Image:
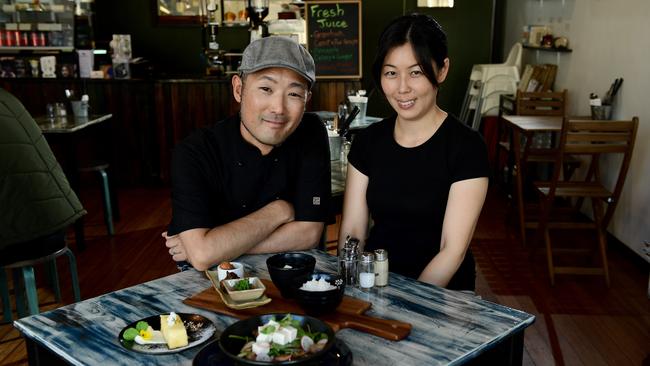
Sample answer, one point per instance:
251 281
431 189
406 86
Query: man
258 182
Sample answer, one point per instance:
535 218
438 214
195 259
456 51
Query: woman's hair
428 40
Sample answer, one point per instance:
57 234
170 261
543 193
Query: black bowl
245 328
321 302
288 279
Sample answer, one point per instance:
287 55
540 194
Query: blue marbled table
449 328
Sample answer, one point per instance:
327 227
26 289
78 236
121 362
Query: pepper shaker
381 267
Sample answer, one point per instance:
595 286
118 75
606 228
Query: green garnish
130 334
268 329
288 320
142 325
242 285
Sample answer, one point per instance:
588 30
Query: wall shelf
557 51
547 49
45 49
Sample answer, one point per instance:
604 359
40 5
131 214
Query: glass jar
345 150
348 266
381 267
50 110
367 271
61 110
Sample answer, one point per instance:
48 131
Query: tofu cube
261 348
291 332
264 337
280 337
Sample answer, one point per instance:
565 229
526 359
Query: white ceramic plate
199 329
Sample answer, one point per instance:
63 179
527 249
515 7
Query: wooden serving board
349 314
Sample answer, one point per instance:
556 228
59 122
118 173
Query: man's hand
176 248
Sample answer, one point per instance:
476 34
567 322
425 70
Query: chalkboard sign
334 38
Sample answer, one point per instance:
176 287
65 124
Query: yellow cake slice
173 330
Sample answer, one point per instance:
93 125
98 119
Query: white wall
609 39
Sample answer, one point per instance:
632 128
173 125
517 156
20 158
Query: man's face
272 104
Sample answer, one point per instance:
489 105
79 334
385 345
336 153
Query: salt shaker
381 267
367 271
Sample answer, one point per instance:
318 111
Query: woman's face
406 87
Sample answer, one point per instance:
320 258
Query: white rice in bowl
317 285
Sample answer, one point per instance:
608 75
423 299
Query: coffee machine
211 52
257 11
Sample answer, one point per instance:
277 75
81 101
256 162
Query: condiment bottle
367 271
348 259
381 267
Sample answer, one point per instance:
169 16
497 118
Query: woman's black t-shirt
408 189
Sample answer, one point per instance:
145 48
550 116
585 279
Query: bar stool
25 282
109 199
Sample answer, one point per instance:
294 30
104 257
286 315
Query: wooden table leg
39 355
508 352
516 147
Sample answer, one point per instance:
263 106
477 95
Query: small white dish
255 291
238 270
228 301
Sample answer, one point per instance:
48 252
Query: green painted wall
177 49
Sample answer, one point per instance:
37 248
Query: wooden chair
526 104
591 140
541 103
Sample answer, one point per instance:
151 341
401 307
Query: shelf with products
36 50
34 7
547 49
234 13
36 25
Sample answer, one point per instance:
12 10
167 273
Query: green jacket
35 197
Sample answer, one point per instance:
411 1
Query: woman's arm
355 207
464 205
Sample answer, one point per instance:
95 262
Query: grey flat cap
278 51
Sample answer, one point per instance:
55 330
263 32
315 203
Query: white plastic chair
487 82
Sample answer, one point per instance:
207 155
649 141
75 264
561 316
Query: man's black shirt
218 177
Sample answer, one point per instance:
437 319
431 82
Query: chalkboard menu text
334 38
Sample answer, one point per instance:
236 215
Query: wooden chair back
541 103
593 139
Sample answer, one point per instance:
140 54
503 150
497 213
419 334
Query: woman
420 174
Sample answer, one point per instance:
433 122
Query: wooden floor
579 321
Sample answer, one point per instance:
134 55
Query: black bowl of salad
285 339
